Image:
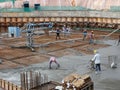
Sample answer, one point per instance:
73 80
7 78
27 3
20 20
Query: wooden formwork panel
90 19
47 19
52 19
109 20
118 21
114 20
25 19
99 20
30 19
8 20
69 19
41 19
94 19
85 19
2 19
80 19
19 19
104 20
63 19
13 19
58 19
36 20
74 20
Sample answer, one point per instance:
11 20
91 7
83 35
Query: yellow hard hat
95 51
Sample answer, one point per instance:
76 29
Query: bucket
112 59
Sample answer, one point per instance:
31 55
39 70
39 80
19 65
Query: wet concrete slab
108 79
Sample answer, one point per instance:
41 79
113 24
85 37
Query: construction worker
64 31
68 31
84 34
53 59
91 37
57 33
97 62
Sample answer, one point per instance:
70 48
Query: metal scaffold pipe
30 29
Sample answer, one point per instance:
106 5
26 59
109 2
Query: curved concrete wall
64 14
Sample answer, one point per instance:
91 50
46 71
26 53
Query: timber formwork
90 19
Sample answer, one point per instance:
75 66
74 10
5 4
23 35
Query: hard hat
95 51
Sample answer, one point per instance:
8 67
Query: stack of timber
77 82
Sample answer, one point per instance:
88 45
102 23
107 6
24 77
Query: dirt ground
14 53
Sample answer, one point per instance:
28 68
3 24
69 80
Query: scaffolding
30 29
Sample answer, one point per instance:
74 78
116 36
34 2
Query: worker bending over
53 59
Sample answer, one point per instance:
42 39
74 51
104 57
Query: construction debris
77 82
70 82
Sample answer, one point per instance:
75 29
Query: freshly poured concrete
108 79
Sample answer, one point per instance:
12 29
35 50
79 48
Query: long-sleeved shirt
96 58
52 59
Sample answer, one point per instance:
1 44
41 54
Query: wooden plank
0 82
3 83
10 86
6 85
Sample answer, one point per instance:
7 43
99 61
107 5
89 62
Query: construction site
28 39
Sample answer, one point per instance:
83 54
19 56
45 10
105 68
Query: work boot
50 68
58 65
